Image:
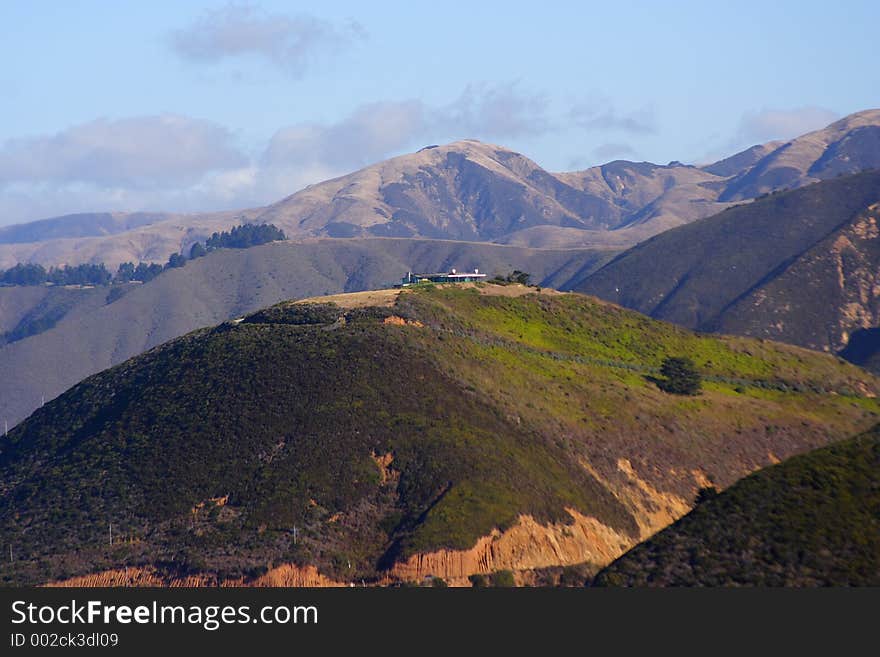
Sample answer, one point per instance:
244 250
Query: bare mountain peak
736 163
848 145
478 191
854 120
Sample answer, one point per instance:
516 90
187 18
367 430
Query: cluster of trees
31 274
86 274
516 276
142 272
498 579
240 237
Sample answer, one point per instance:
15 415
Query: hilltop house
446 277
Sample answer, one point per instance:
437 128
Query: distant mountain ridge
95 224
801 267
468 190
847 146
220 286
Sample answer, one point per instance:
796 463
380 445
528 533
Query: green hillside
351 438
813 520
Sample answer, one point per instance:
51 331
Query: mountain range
801 267
462 433
797 266
468 190
391 435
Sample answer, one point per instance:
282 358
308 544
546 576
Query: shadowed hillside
801 267
813 520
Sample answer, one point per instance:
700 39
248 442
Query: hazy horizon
222 106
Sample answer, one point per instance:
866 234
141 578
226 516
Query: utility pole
10 553
111 534
294 534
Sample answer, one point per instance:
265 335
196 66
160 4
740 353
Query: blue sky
209 105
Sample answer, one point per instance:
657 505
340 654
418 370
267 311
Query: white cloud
494 111
378 130
145 151
769 124
177 163
614 150
369 133
289 42
601 115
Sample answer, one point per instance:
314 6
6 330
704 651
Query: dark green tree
516 276
146 272
176 260
125 272
680 376
84 274
478 581
244 236
705 494
24 274
197 251
502 579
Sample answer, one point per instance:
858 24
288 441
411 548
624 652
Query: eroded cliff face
525 546
530 545
824 296
855 255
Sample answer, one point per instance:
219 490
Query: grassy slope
813 520
489 409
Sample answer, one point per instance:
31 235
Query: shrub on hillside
705 494
502 578
680 376
516 276
478 581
